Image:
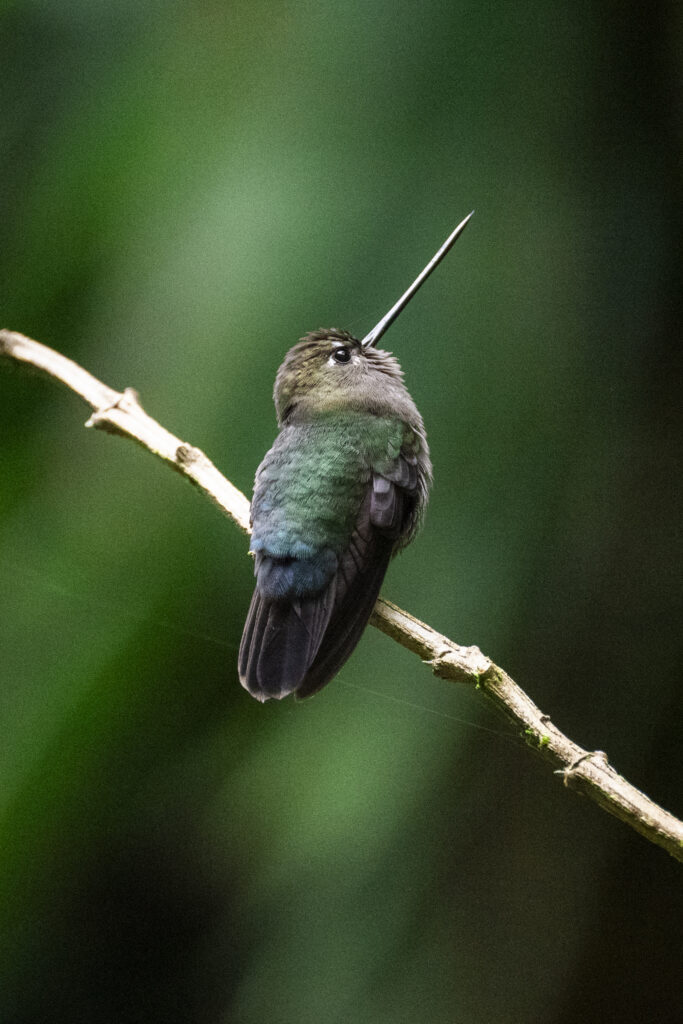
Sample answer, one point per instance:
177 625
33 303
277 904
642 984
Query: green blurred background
186 188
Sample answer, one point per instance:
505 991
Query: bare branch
121 413
588 772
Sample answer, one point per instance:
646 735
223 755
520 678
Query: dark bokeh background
187 187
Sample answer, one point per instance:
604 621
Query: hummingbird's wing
309 608
362 568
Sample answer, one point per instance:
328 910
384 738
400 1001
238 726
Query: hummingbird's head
330 370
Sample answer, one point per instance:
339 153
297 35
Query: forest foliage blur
187 188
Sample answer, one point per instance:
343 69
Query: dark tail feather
280 641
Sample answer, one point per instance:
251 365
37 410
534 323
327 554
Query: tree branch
588 772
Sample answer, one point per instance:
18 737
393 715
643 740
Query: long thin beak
376 333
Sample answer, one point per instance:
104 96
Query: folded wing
307 615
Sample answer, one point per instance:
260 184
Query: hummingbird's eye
341 355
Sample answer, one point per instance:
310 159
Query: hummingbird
343 489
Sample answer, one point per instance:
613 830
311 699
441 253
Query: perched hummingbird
343 488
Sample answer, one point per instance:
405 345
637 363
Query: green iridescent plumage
312 482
